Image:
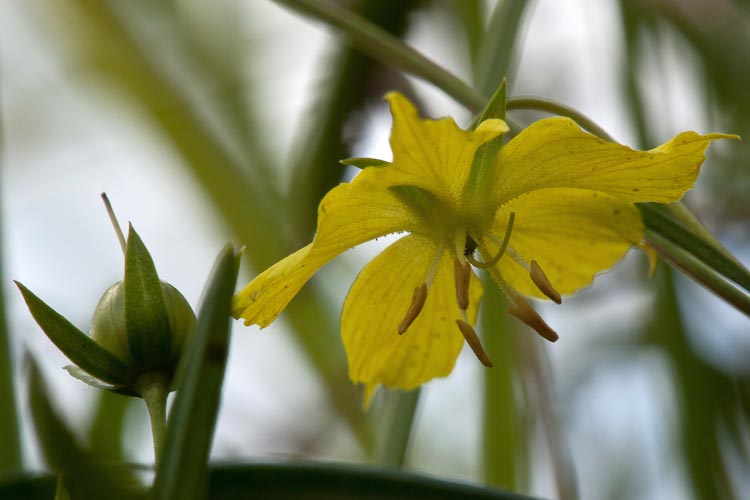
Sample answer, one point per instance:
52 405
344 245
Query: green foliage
221 140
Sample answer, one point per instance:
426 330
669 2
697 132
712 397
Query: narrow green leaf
500 39
182 471
699 271
660 219
364 162
75 344
313 481
146 319
82 473
305 481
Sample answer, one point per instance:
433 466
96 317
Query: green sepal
76 345
94 382
495 107
485 153
146 320
363 163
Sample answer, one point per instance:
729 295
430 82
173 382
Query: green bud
108 327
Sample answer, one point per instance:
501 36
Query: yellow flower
550 210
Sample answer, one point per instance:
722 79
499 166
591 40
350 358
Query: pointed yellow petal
571 233
435 155
555 152
349 214
376 304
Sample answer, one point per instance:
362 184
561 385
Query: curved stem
387 49
556 108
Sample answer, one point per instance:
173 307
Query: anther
503 246
462 273
473 340
542 282
417 302
523 311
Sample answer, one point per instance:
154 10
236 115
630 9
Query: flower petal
435 155
555 152
349 214
571 233
376 304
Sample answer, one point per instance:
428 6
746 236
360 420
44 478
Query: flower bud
108 327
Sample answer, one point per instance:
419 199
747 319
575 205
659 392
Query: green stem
386 48
153 388
398 431
696 269
557 108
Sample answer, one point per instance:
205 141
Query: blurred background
213 121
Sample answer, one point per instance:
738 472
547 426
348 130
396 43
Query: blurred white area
66 141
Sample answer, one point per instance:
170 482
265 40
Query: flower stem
389 50
399 429
153 388
557 108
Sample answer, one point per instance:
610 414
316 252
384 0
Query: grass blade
82 473
182 471
661 220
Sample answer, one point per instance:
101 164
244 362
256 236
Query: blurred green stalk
398 429
11 458
386 48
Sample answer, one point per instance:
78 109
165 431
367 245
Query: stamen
417 302
473 340
503 246
523 311
542 283
462 273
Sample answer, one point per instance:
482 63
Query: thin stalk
386 48
557 108
115 224
698 271
153 388
399 429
